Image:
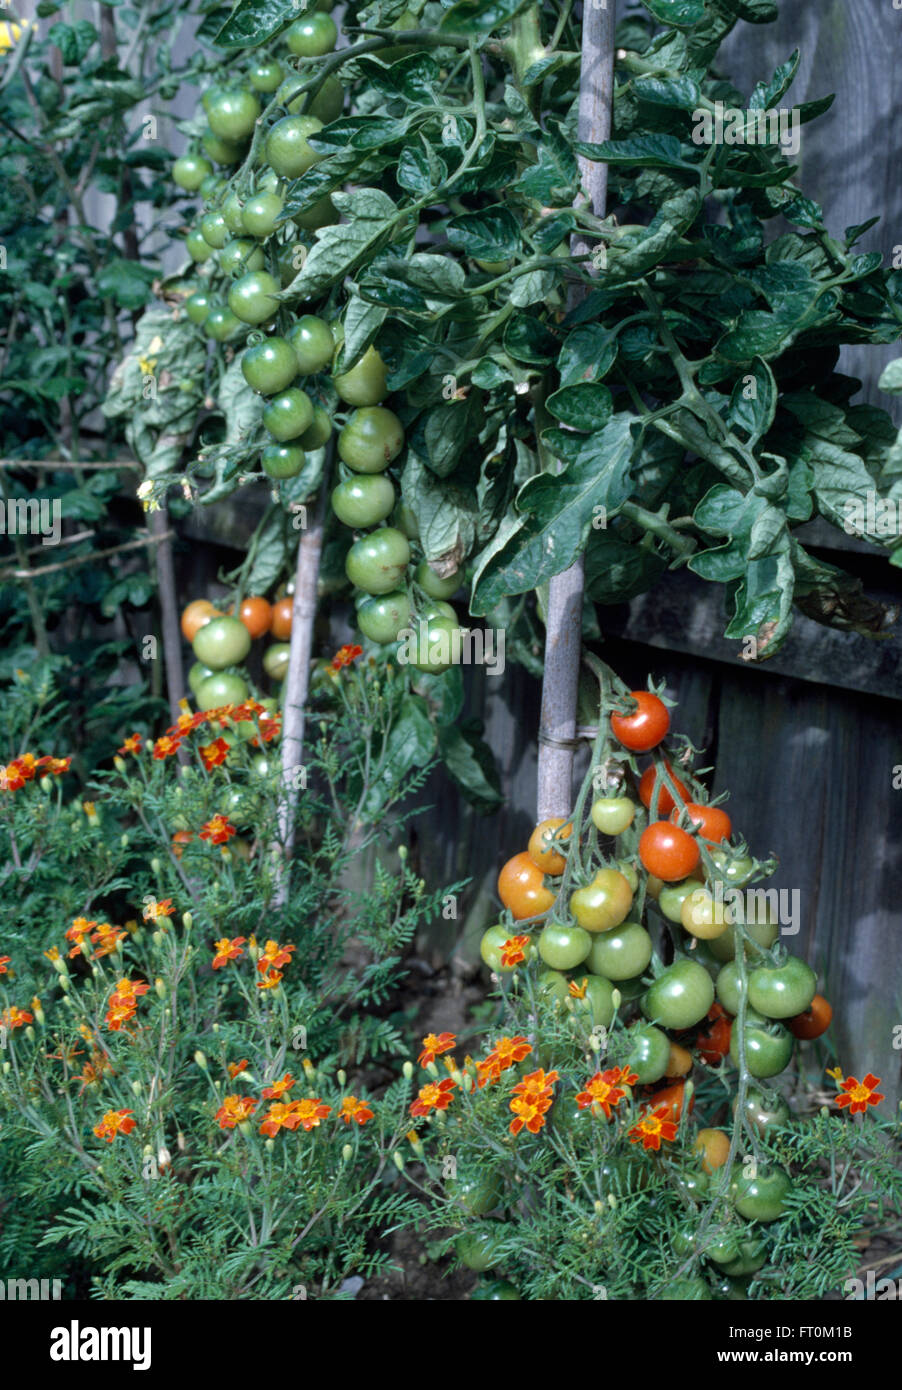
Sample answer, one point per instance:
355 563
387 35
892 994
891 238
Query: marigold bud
398 1160
416 1143
155 866
29 1033
147 1150
245 1129
341 1076
187 921
6 1068
201 1060
123 840
309 1068
137 1088
402 853
347 1152
37 1010
159 985
616 999
119 763
432 1069
407 1069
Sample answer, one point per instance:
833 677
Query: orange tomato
714 1146
256 614
672 1097
280 627
714 1042
521 889
540 849
180 838
679 1062
197 615
813 1022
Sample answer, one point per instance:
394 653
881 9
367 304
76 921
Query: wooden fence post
563 622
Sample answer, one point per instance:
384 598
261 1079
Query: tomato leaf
471 763
252 22
340 249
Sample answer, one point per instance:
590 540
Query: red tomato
644 729
667 851
256 614
280 627
665 800
521 889
713 1042
672 1097
813 1022
713 823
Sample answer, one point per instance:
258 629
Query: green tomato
222 151
251 299
371 440
266 75
673 895
275 660
214 231
437 608
431 645
223 688
752 1255
768 1045
766 1110
312 36
311 339
322 213
221 324
723 1247
406 521
239 256
376 563
685 1291
782 991
562 947
287 150
198 249
270 366
233 214
693 1184
430 582
737 869
365 383
553 986
604 903
289 414
233 115
190 170
382 617
363 501
198 306
212 188
680 996
318 433
760 926
199 672
649 1054
282 460
622 953
477 1193
598 1001
329 101
762 1197
477 1250
729 992
260 215
221 642
611 815
494 1291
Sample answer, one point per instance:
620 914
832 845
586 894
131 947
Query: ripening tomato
256 614
644 729
714 1146
197 613
679 1063
766 1110
673 895
737 869
714 825
672 1097
521 889
611 815
758 926
713 1042
813 1022
604 903
280 625
376 563
667 851
666 802
541 849
703 916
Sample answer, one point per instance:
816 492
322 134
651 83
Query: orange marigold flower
128 992
354 1109
270 980
858 1095
652 1128
278 1088
513 951
53 765
578 990
506 1053
282 1116
217 830
115 1122
234 1109
117 1015
436 1096
4 961
274 956
27 765
106 938
537 1083
154 911
212 754
270 728
94 1070
236 1068
248 709
311 1112
133 744
529 1112
605 1090
434 1046
79 929
344 656
166 746
12 777
13 1018
227 950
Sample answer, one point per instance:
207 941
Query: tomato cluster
248 249
609 918
221 641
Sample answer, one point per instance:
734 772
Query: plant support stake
563 622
